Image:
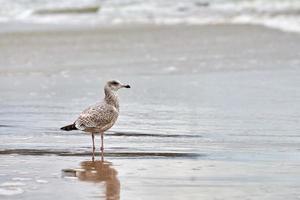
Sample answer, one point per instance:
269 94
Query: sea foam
10 191
283 15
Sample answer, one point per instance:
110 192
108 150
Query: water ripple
40 152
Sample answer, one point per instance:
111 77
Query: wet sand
213 113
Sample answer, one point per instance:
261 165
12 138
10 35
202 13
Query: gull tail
69 127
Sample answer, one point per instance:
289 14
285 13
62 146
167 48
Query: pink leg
93 138
102 147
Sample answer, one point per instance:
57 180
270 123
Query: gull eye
114 83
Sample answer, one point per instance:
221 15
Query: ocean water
278 14
211 114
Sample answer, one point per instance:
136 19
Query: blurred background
279 14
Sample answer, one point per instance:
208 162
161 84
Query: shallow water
201 121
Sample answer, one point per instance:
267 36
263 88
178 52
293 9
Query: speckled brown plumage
101 116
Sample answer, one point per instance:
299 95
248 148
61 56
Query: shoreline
11 28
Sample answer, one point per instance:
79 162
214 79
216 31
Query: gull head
115 85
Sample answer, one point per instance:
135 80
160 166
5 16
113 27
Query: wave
283 15
78 10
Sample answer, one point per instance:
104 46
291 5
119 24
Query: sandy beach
213 113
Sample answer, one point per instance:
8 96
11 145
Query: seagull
100 117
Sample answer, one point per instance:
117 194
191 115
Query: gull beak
126 86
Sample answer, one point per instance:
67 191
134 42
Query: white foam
283 15
65 74
170 69
41 181
9 184
281 22
23 172
21 179
10 191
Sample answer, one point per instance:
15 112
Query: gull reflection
98 172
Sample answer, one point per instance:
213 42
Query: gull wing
97 116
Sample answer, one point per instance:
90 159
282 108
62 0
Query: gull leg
93 138
102 147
